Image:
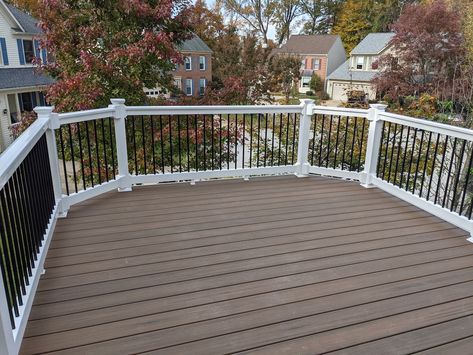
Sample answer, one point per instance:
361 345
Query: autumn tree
110 48
320 15
30 6
285 71
286 13
258 15
426 54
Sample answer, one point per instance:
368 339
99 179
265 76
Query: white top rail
340 111
88 115
211 110
14 155
431 126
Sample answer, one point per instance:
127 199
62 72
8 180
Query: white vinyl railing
87 153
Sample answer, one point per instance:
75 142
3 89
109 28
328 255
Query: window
28 51
202 83
13 108
305 81
316 64
189 87
359 63
4 56
27 101
202 62
177 83
188 63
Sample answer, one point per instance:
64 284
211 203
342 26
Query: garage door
339 92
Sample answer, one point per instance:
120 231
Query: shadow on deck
273 265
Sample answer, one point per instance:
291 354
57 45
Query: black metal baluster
287 137
361 144
196 132
281 123
418 161
153 143
170 144
398 154
179 147
204 142
228 141
143 139
188 144
97 150
81 156
265 139
63 156
336 142
392 152
220 140
258 137
236 140
313 140
429 142
345 143
433 166
352 143
441 168
294 139
404 155
446 193
251 140
91 167
378 165
162 143
411 159
112 147
467 179
212 142
104 150
455 186
243 143
388 138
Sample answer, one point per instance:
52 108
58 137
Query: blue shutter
3 44
21 52
42 101
44 56
37 52
33 99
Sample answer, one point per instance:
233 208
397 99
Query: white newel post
302 164
373 144
124 176
46 113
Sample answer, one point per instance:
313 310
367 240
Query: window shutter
44 56
37 52
3 44
33 99
21 52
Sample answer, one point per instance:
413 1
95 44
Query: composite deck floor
270 266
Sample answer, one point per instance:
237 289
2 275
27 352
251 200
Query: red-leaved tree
110 48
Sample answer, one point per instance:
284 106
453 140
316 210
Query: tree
285 71
316 83
30 6
321 15
257 14
354 22
426 55
286 12
110 48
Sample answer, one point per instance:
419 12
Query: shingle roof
11 78
195 44
308 44
373 43
343 73
28 23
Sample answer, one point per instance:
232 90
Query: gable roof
308 44
373 43
194 44
343 73
28 23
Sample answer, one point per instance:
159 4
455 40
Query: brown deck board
273 265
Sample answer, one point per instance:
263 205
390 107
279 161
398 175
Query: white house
20 86
357 72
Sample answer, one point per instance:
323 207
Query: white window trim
191 87
205 62
205 85
190 63
357 62
319 63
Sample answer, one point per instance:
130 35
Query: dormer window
359 63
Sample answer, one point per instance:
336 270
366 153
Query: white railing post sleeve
124 176
46 113
373 144
302 164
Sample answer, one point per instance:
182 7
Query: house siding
195 73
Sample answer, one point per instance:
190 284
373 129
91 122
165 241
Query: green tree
316 83
320 15
286 12
285 72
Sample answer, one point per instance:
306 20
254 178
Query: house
320 54
195 73
21 88
357 72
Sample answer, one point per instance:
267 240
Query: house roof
11 78
308 44
195 44
373 43
28 23
343 73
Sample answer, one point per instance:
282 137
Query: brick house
193 76
320 54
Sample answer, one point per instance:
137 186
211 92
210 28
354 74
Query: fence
63 159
